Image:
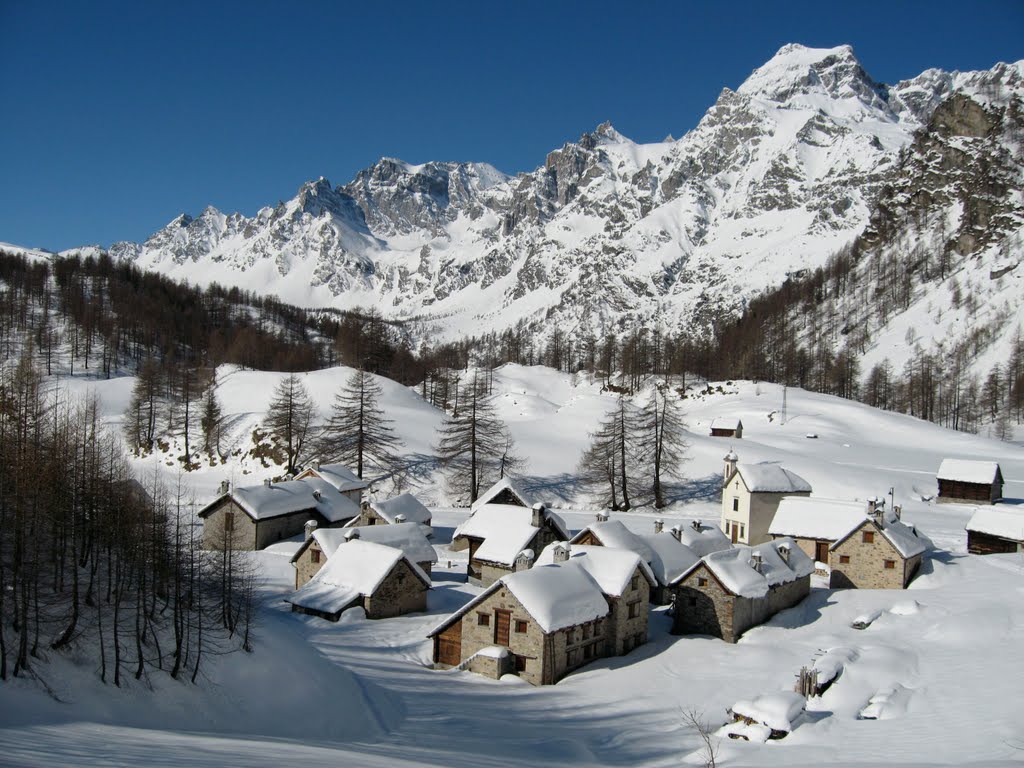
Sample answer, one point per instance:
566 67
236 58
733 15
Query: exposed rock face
779 174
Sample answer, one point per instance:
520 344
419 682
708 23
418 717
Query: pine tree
611 456
211 418
474 447
357 431
290 418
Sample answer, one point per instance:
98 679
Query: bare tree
709 751
357 430
290 417
661 440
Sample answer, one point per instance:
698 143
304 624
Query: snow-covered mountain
607 233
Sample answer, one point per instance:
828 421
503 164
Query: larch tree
661 439
474 446
290 417
357 432
211 418
611 457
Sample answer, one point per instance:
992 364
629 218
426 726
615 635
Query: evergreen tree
290 417
474 447
357 431
211 418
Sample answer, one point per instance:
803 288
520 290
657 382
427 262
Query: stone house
728 592
380 579
497 534
880 552
750 497
344 480
996 529
662 550
253 517
969 482
726 426
816 523
701 538
321 544
544 622
503 492
405 508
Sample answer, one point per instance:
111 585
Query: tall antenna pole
783 420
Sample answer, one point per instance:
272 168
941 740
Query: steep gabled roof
726 422
263 502
1002 521
771 478
965 471
612 533
703 539
812 517
904 539
355 571
505 484
610 567
506 530
338 475
671 556
735 568
407 537
406 505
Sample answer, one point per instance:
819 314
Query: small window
868 537
314 555
229 521
522 626
635 583
735 504
483 619
890 564
844 559
520 662
701 581
634 610
743 531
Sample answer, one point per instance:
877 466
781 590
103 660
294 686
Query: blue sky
117 116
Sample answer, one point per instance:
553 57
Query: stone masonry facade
247 533
870 564
401 592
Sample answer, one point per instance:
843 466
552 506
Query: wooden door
735 532
448 645
502 621
821 551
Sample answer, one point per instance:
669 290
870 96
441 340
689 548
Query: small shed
726 426
380 579
963 481
996 529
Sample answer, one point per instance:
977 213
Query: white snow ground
940 665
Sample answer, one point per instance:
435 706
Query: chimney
562 552
783 550
315 465
225 486
897 511
602 516
756 561
730 465
266 482
696 524
400 518
659 526
310 527
524 561
875 512
352 533
677 533
537 520
316 494
364 506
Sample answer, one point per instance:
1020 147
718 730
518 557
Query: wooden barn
969 482
725 426
994 530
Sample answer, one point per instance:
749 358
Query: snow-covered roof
776 710
338 475
263 501
1002 521
771 478
965 471
904 539
557 596
726 422
735 568
505 484
407 505
811 517
407 537
610 567
671 557
506 530
346 578
703 539
612 533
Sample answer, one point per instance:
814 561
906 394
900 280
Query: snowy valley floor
361 693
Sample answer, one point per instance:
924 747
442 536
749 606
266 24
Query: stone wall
703 610
625 633
490 573
284 527
243 535
530 644
750 612
866 568
401 592
305 568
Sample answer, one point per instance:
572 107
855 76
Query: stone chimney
677 533
537 520
897 511
756 561
730 465
524 561
659 526
364 506
783 550
266 482
225 486
562 552
316 494
696 525
400 518
602 516
310 527
315 465
875 511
